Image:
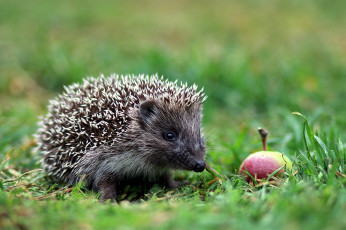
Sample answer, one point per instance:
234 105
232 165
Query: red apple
262 164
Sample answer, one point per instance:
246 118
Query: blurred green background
257 60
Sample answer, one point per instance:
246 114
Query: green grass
258 61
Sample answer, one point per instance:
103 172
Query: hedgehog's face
173 135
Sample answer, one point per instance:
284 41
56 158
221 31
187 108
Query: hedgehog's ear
147 111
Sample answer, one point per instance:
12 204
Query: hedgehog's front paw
176 184
107 196
108 191
170 183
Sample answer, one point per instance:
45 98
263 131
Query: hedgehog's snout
197 162
199 166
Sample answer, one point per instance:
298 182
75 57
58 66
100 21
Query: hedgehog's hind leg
108 190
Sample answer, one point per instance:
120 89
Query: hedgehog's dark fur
115 129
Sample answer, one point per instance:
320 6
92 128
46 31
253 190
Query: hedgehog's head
171 132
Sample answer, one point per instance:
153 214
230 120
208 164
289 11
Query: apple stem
264 135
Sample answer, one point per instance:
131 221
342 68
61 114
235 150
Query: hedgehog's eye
170 136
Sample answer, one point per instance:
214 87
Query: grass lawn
258 61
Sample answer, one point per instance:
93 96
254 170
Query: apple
261 164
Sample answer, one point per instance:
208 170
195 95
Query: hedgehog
112 130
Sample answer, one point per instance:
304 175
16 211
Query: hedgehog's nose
199 166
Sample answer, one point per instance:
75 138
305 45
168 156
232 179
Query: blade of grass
254 180
274 173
